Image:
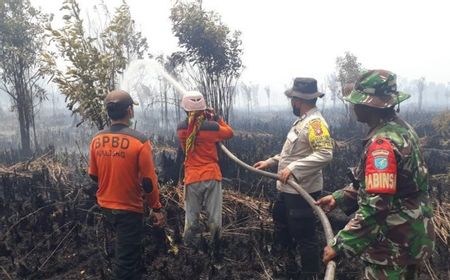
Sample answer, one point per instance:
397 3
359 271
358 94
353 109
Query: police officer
391 230
308 149
121 161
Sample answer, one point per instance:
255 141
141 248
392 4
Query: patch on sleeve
319 136
381 168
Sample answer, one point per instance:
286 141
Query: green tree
211 53
348 70
93 62
122 42
21 43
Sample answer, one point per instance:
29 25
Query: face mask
131 115
296 111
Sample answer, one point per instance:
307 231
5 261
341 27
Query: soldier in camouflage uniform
391 231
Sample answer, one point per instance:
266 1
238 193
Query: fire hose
331 266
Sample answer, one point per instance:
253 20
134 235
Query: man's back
202 163
121 157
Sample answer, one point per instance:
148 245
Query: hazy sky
283 39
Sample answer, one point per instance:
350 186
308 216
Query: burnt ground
51 228
62 235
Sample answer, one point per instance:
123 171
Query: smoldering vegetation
51 227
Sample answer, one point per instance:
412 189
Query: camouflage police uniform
391 231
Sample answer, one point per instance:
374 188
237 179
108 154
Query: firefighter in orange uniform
121 161
198 136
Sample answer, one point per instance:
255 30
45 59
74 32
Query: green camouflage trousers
382 272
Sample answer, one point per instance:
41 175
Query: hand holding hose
261 165
328 254
327 203
211 115
284 175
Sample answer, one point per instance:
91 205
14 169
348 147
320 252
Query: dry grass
241 213
441 221
57 172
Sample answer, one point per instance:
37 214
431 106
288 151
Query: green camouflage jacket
392 224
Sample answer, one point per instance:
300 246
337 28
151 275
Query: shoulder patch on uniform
316 126
381 167
318 135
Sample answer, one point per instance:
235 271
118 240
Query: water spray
329 235
181 90
149 66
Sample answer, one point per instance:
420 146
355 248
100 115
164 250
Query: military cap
376 88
